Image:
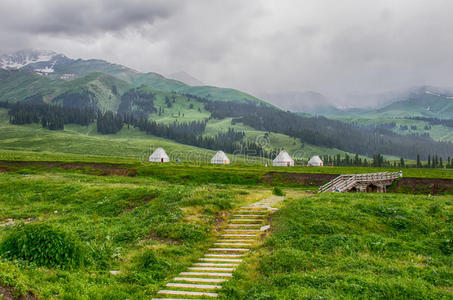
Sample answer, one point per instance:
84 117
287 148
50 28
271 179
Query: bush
278 191
446 247
183 232
148 261
43 245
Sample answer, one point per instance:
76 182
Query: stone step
186 293
246 220
224 255
221 259
233 240
238 235
262 213
211 269
233 244
241 230
255 208
207 274
194 286
229 249
174 299
244 225
265 227
215 265
260 216
194 279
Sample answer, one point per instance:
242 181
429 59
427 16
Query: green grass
295 147
437 132
180 110
101 85
17 85
353 246
145 228
131 143
159 82
152 226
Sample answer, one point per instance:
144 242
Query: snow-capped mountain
40 61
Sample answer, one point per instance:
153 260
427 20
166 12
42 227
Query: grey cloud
84 17
338 48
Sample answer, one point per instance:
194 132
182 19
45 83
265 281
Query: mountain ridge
58 66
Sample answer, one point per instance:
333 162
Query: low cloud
339 48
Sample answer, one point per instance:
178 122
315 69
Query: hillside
202 116
355 246
424 111
130 143
58 66
124 230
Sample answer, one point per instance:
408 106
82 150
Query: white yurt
283 160
220 158
315 161
159 155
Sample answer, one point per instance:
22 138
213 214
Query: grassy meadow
70 231
353 246
144 228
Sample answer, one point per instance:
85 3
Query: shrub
278 191
100 254
446 247
149 261
43 245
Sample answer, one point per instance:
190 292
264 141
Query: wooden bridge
371 182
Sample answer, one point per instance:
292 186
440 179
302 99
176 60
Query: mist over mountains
422 101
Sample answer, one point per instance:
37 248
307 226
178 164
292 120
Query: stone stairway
205 277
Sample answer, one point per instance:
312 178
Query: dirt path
270 202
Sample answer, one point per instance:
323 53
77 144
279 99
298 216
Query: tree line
55 117
52 117
329 133
435 121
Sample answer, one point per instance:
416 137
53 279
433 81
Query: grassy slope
437 132
102 85
159 82
127 145
84 67
274 141
145 228
353 246
18 85
75 139
180 110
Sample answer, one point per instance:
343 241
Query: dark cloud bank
338 48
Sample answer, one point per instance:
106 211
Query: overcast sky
336 47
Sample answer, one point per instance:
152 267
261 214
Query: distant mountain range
425 101
43 77
29 72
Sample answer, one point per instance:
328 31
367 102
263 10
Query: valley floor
136 233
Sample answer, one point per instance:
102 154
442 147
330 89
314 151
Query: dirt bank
7 293
433 186
88 168
409 185
303 179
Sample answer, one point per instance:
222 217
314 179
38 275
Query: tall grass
354 246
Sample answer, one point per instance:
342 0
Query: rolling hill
58 66
111 96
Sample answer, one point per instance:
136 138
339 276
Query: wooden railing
346 182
